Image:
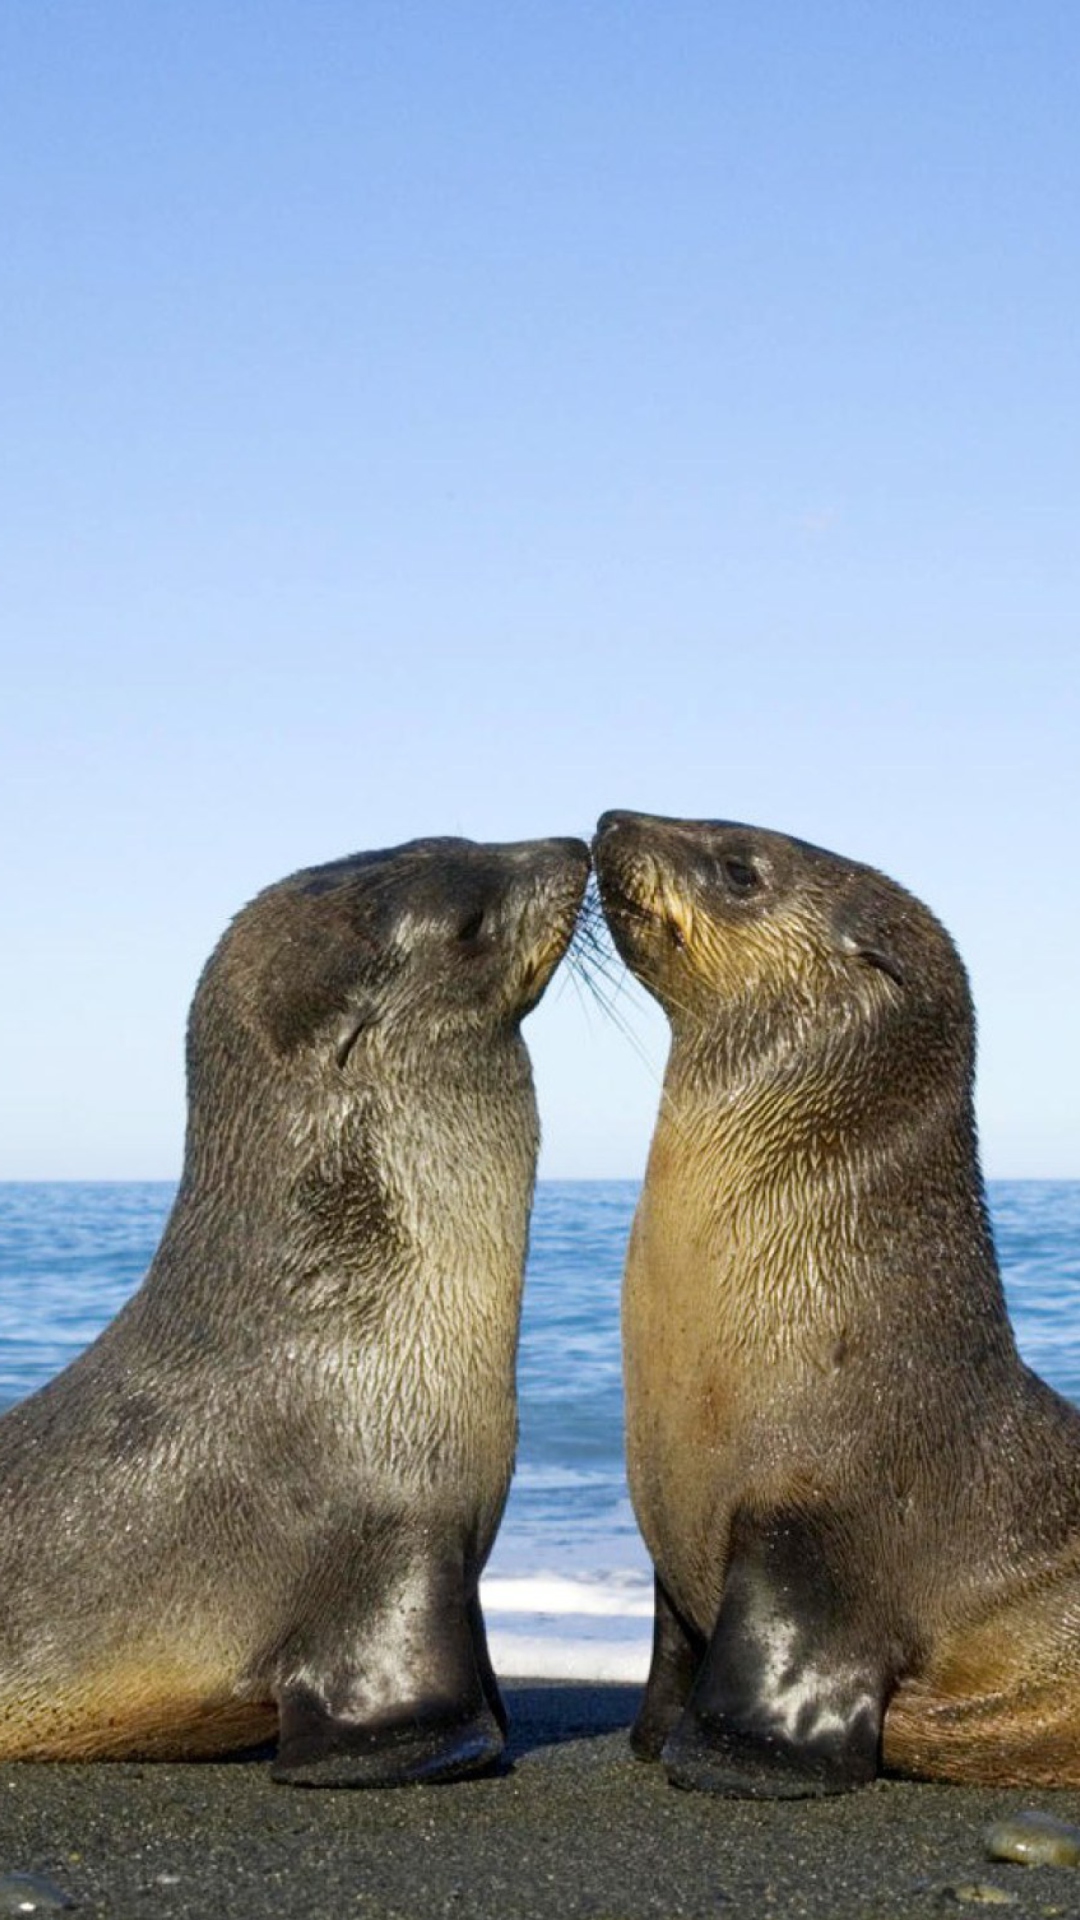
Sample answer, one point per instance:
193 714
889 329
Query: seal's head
267 1491
863 1509
466 936
780 963
404 969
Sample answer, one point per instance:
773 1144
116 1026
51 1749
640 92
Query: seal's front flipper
484 1667
401 1701
677 1654
791 1696
333 1747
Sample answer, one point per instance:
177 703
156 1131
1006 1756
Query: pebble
32 1893
1035 1839
980 1893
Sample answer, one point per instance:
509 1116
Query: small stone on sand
32 1893
1035 1839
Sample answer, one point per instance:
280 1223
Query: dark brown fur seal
863 1509
263 1498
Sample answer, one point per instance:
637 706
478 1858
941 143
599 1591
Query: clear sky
460 418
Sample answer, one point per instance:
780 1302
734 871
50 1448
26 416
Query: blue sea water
568 1587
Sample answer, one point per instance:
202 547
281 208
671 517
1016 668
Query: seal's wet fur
863 1509
263 1498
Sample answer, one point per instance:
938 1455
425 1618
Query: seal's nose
611 822
565 855
571 849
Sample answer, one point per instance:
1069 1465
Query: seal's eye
471 928
741 875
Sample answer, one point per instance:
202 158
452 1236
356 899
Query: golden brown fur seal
263 1498
863 1509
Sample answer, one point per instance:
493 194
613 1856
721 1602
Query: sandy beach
575 1827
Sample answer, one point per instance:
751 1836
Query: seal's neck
797 1225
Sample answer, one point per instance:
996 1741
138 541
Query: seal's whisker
598 970
597 963
576 978
602 965
580 972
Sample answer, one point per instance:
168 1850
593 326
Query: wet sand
575 1828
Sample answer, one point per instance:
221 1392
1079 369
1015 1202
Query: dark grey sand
576 1827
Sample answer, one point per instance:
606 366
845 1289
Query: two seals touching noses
863 1509
263 1498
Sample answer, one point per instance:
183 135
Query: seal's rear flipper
791 1696
677 1653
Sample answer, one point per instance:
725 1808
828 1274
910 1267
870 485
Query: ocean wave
555 1626
524 1656
621 1595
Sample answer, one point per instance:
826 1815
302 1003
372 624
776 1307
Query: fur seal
263 1498
862 1508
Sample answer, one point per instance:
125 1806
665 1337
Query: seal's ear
352 1024
865 938
322 987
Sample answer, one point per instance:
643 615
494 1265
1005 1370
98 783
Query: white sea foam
536 1657
557 1626
624 1595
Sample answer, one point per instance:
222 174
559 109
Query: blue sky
462 418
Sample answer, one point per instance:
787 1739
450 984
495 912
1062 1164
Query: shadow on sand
547 1714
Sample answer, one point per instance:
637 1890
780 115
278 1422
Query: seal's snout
650 831
610 821
618 820
557 855
559 868
570 852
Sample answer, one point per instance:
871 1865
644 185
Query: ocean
568 1590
